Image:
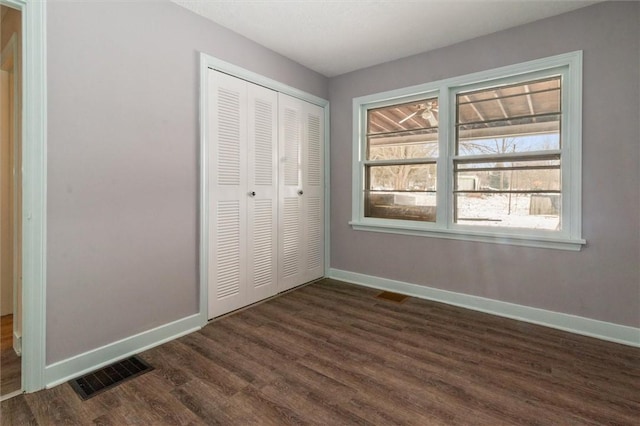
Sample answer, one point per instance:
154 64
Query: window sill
557 243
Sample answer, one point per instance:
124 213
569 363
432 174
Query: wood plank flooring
10 363
333 354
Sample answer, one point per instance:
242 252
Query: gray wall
123 164
600 282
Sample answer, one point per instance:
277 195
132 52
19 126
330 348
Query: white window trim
569 238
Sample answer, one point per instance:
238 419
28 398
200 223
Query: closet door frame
209 62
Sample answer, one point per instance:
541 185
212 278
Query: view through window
507 164
402 150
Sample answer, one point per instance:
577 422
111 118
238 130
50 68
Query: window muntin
515 131
523 99
402 146
414 115
400 162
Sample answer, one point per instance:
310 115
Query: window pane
517 88
420 114
509 145
510 136
501 103
542 161
418 144
401 192
405 177
516 118
509 191
419 206
509 176
530 211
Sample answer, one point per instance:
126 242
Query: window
507 159
400 164
493 156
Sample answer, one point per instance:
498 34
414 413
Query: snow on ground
496 207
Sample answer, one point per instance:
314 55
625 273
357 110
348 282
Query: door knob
300 192
252 193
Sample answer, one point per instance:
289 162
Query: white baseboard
10 395
65 370
579 325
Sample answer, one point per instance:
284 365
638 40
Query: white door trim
206 62
34 190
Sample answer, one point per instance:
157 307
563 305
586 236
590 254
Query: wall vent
108 377
393 297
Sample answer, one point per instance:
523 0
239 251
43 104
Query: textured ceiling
334 37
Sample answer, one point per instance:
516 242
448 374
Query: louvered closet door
313 196
290 201
227 193
262 209
243 193
301 244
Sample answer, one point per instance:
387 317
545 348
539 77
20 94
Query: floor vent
108 377
393 297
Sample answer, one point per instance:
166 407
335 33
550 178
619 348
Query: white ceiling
334 37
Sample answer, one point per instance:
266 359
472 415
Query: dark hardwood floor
332 354
10 362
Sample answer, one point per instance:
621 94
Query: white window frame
569 66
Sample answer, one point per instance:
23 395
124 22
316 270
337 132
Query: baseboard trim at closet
259 302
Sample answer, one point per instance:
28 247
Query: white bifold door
265 192
301 186
243 187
